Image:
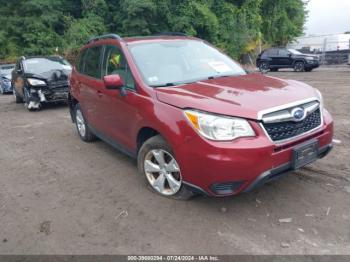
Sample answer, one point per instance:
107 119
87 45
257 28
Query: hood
51 76
241 96
307 55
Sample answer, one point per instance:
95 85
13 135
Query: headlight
220 128
309 58
36 82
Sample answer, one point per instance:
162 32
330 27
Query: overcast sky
328 17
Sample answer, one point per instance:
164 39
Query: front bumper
229 168
39 95
276 173
312 64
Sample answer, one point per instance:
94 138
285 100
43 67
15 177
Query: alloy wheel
163 172
299 67
80 123
264 67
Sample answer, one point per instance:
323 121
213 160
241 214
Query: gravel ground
61 196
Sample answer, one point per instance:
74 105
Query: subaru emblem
298 114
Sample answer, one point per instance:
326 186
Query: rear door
273 55
91 85
284 58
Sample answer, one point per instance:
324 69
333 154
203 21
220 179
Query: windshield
169 63
42 65
295 52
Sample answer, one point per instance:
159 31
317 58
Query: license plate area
305 154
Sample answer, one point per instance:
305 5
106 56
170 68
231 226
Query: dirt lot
61 196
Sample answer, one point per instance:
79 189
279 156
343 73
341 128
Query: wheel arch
299 60
144 134
72 102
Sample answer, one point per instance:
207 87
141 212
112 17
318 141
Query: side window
265 54
115 63
283 53
273 52
92 62
19 66
80 60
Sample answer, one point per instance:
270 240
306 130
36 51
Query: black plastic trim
195 189
282 170
108 36
113 143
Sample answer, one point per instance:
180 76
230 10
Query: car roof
171 36
145 39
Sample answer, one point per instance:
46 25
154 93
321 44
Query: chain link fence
330 52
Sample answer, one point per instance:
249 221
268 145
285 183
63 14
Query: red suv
193 118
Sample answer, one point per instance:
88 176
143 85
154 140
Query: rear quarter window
79 64
91 62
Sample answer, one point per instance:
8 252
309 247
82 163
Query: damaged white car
39 80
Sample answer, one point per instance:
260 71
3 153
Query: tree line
41 27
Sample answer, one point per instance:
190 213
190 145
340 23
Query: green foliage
283 20
37 27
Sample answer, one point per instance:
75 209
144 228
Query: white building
323 43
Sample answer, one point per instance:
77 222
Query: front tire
30 106
299 67
162 174
82 127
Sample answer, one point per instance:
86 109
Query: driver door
119 111
284 57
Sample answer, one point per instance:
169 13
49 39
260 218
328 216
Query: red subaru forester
193 118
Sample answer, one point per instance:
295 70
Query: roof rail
170 34
108 36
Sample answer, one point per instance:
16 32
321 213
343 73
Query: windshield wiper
164 85
215 77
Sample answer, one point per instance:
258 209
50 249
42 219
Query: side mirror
113 82
19 71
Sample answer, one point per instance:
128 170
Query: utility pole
324 51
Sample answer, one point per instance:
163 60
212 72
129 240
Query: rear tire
264 67
163 175
299 67
82 127
1 90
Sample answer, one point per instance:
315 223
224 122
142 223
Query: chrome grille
281 125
